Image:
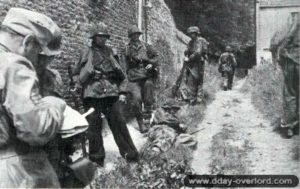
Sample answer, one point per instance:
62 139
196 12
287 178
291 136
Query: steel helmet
228 48
193 29
134 29
100 29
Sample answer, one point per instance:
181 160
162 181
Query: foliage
265 84
222 22
164 170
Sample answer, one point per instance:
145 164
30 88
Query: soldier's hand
122 98
186 59
149 66
74 89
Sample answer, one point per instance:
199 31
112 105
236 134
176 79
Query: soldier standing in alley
28 121
142 69
285 51
193 68
100 75
227 65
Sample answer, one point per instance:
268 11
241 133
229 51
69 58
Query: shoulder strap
1 97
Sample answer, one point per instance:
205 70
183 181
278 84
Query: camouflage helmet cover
100 29
134 29
193 29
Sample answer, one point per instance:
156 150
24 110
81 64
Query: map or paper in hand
74 123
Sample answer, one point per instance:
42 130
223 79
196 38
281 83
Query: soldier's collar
98 47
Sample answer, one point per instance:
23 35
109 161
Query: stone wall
170 42
75 17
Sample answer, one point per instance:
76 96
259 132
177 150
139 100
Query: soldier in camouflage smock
100 75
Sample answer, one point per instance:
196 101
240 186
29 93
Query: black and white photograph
149 94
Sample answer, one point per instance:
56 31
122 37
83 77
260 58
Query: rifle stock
180 77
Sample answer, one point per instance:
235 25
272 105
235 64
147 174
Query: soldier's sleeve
36 119
118 70
197 52
78 66
152 55
55 84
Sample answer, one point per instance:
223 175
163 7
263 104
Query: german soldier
100 75
285 51
195 57
28 121
142 68
227 65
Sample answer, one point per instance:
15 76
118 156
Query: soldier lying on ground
166 129
167 115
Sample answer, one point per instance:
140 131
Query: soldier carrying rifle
193 67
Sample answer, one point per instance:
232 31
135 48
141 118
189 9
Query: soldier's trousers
291 114
228 79
195 86
143 91
112 109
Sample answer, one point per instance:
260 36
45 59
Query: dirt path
236 139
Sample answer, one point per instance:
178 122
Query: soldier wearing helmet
195 58
100 75
142 69
227 65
